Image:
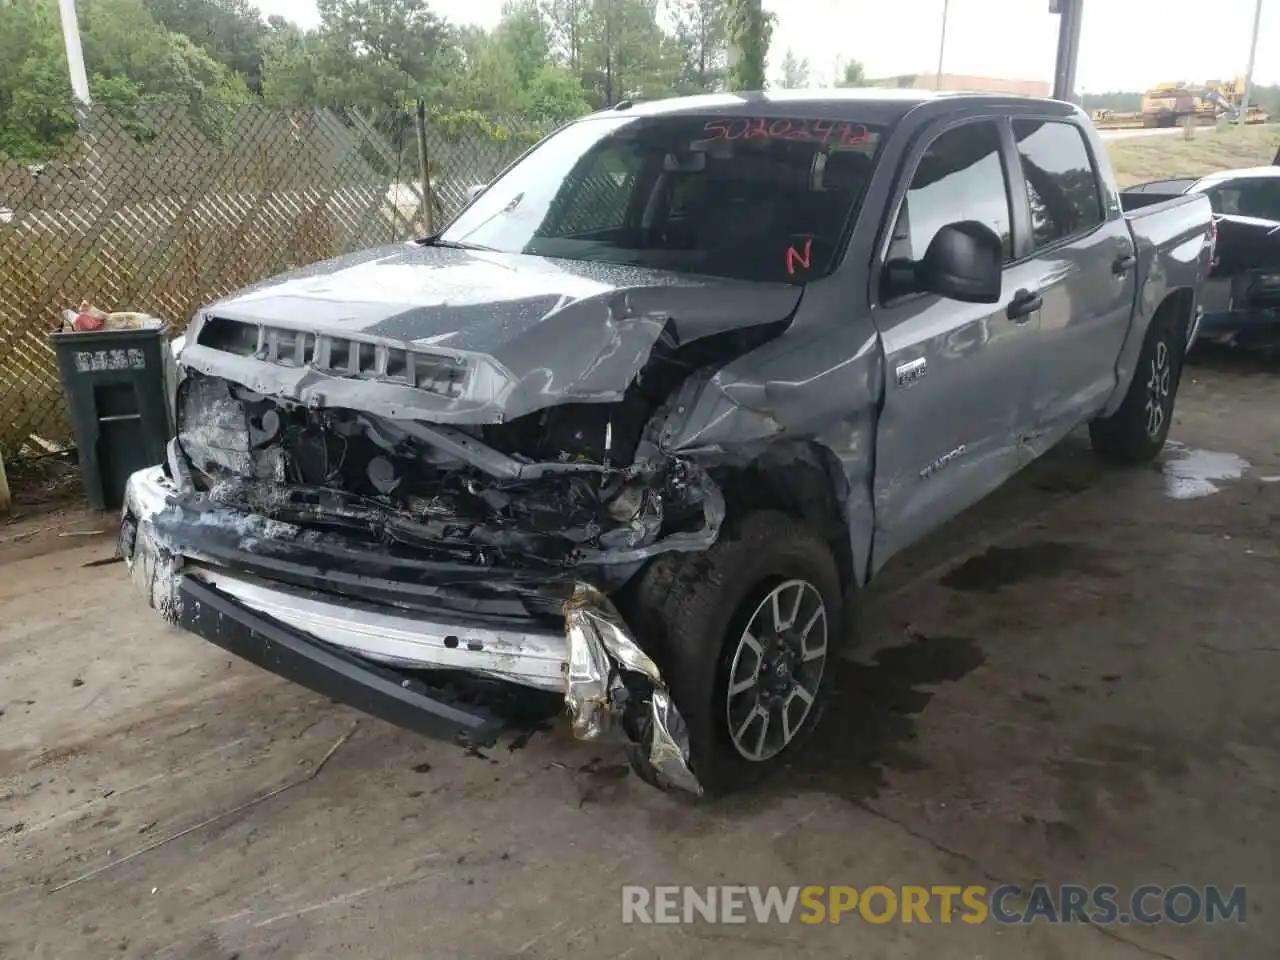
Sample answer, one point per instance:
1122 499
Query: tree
795 72
750 31
34 90
129 57
701 37
568 28
852 75
523 39
124 42
230 31
290 68
625 54
508 71
382 52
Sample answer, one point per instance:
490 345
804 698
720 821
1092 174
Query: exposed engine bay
558 487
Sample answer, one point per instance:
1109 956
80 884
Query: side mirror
964 262
474 191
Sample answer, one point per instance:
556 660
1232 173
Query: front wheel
1136 432
743 634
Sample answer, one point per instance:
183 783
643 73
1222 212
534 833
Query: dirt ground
1075 683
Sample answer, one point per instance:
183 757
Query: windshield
749 198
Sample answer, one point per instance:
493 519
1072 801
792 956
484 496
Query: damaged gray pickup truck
629 430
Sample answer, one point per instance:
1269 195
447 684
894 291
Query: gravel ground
1073 683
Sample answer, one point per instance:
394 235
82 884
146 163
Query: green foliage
795 72
750 31
546 60
702 44
625 54
1119 101
853 75
230 31
130 58
1268 98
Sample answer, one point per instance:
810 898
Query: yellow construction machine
1171 104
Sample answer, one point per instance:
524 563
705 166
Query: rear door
957 374
1247 211
1082 256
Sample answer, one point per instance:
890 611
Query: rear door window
1062 185
1259 198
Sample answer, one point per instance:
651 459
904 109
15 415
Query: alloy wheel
1158 388
777 669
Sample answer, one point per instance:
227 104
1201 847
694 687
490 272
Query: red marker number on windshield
795 257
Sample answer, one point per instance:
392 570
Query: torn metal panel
154 568
713 514
602 653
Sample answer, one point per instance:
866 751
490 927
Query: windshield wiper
436 241
501 211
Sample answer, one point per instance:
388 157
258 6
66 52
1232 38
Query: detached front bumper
358 652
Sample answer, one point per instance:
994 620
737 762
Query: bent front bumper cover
354 651
328 670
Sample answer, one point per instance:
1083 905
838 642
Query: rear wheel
1136 432
743 634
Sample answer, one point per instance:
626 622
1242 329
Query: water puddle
1189 474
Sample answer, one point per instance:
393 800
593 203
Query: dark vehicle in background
1241 299
630 429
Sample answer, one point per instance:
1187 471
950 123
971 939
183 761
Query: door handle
1023 305
1123 264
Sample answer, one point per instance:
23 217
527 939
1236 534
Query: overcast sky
1127 44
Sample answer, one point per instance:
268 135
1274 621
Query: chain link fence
164 207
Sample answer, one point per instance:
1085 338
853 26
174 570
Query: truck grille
339 356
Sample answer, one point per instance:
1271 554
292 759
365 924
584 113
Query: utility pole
942 44
75 54
608 54
1253 56
1064 73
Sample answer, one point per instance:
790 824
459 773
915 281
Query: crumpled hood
553 330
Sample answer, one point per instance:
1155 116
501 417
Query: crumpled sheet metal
600 648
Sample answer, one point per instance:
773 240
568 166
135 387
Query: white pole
942 44
75 54
1253 55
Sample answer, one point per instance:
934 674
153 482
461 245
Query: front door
957 374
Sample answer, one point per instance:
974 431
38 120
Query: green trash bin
115 386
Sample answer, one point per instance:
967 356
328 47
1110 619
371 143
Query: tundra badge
909 373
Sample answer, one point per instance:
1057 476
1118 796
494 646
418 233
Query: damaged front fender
613 684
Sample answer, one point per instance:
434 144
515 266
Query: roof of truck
877 104
1249 172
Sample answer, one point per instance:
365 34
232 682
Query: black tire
690 611
1136 432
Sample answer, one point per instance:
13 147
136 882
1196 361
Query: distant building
957 81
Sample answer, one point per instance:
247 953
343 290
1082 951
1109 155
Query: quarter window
1062 186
